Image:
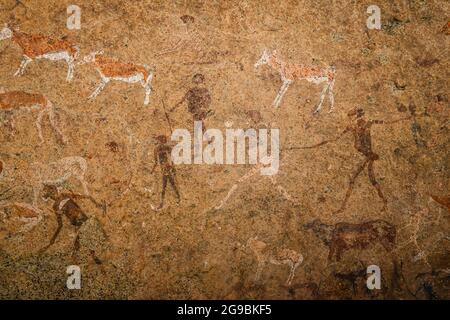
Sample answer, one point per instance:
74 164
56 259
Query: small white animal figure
28 215
37 46
113 69
14 100
56 173
290 72
275 256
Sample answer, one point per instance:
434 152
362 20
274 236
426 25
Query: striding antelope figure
113 69
290 72
14 100
276 256
37 46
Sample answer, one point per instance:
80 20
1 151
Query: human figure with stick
162 157
198 99
361 130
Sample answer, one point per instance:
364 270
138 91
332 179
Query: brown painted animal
113 69
14 100
37 46
345 236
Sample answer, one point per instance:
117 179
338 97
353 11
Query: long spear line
167 116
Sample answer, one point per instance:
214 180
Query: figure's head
264 59
187 19
198 78
356 112
316 225
6 33
49 192
162 139
91 56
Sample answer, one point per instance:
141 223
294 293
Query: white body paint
54 56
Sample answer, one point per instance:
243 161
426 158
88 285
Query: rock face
91 182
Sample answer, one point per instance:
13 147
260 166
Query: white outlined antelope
113 69
14 100
37 46
58 172
276 256
27 214
290 72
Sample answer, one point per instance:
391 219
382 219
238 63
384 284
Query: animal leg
322 96
281 92
148 91
375 184
36 191
25 61
350 186
71 68
84 185
39 125
331 95
259 269
52 118
100 87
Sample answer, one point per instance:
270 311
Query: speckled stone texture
390 124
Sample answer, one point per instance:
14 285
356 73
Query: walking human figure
361 130
65 204
162 157
198 99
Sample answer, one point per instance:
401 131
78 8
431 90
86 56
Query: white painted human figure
289 72
37 46
113 69
252 172
16 100
58 172
276 256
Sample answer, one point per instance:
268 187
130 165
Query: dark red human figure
198 99
361 130
162 157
